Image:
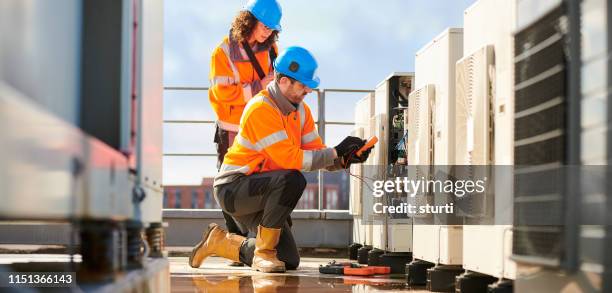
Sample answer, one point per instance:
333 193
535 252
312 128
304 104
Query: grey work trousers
265 199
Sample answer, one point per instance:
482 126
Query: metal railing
321 124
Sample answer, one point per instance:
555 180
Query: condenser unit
379 170
487 72
363 112
391 98
540 142
435 65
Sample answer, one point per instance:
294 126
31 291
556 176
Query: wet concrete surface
216 276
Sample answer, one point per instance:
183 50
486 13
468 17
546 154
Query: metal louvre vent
420 138
540 138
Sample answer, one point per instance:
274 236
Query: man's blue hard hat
299 64
267 11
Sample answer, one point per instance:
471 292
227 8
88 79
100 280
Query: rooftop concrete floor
216 276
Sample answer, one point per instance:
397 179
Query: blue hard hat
267 11
299 64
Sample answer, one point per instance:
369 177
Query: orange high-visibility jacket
275 135
234 81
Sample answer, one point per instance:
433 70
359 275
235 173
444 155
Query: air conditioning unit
364 110
379 172
540 140
487 75
435 65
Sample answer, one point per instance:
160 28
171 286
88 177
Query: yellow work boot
226 285
268 283
265 259
218 242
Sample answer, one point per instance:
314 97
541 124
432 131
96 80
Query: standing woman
241 66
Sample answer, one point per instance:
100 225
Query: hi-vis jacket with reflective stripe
275 135
234 81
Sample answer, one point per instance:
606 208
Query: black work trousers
265 199
224 139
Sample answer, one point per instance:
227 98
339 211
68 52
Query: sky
357 44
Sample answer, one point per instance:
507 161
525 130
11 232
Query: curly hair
243 25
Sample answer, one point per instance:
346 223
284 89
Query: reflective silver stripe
227 168
264 142
306 138
222 80
265 99
253 101
271 139
302 115
225 49
245 142
247 93
228 126
307 161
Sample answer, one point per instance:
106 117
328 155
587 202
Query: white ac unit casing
419 144
394 235
435 65
488 27
379 234
379 157
399 235
418 122
359 230
376 170
364 110
381 93
487 250
473 108
439 244
492 22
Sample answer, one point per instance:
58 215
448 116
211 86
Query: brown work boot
265 259
218 242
